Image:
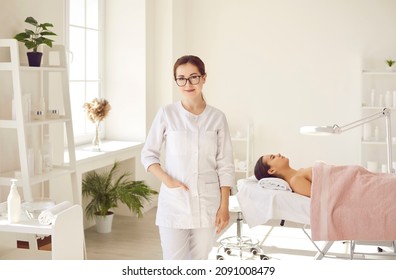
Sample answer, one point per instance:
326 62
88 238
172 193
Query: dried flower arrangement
97 109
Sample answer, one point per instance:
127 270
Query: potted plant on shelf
106 190
34 38
390 63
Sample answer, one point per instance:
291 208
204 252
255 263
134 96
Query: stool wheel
219 257
227 251
254 251
264 257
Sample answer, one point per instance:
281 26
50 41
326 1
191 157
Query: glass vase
96 139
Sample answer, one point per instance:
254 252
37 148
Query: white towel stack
274 184
48 216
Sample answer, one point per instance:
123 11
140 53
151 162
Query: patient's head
270 166
261 169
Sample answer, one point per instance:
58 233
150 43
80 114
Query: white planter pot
104 223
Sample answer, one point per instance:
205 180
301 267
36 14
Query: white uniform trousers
186 244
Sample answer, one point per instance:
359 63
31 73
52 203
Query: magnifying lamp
336 129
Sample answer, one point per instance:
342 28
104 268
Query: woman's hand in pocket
173 183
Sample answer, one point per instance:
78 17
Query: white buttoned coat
197 152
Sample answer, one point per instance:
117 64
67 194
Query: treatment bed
347 203
259 205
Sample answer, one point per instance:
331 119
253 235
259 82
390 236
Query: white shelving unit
378 92
243 152
29 132
25 133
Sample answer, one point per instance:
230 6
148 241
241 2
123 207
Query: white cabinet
242 141
378 92
67 242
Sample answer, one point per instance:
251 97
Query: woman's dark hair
194 60
261 169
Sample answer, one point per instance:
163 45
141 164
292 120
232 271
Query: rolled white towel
274 184
48 216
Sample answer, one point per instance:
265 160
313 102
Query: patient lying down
346 202
278 166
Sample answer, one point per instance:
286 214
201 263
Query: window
85 62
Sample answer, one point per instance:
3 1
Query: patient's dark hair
261 169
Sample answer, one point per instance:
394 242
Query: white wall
125 72
13 14
285 64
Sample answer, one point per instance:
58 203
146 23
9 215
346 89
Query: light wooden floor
131 239
138 239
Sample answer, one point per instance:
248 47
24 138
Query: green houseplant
34 38
390 64
106 190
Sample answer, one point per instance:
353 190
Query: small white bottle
376 133
46 153
367 132
14 203
394 98
381 100
38 163
372 98
388 99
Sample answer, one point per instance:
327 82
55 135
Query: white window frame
81 137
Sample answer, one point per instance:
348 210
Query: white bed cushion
259 205
274 184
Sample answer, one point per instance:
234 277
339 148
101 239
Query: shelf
25 226
243 151
385 73
43 69
376 143
377 108
378 82
8 124
48 121
57 171
13 123
23 254
6 66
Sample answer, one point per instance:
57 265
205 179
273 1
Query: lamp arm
384 113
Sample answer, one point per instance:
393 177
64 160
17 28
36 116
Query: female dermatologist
197 169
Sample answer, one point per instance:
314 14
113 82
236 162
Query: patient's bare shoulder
306 173
301 182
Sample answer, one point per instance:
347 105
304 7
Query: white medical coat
198 152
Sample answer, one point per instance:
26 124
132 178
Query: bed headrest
274 184
267 183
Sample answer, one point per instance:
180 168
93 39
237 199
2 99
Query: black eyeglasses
194 80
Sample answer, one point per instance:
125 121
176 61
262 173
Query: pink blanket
351 203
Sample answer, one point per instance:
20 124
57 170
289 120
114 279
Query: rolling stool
239 242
